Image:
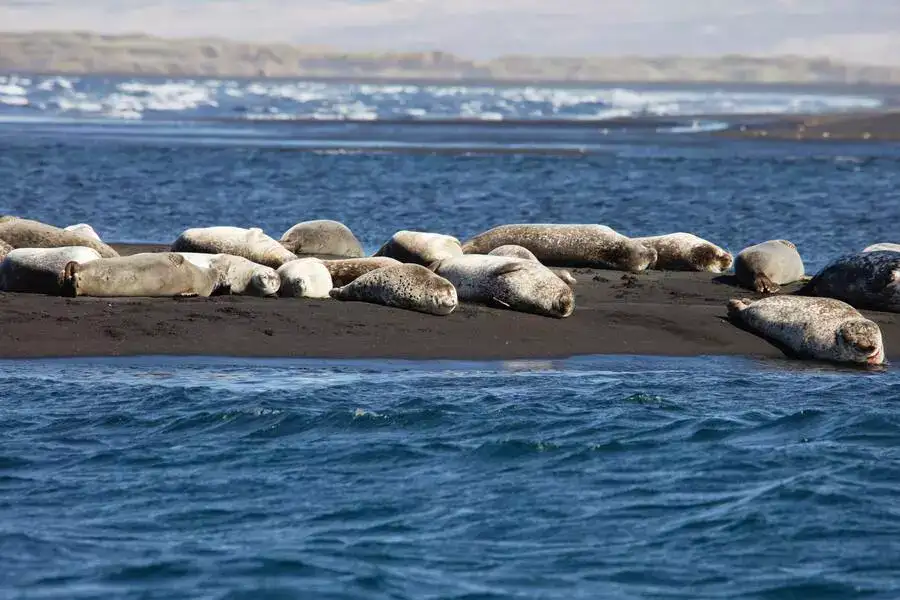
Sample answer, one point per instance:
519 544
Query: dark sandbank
875 126
651 313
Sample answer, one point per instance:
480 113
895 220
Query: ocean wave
130 98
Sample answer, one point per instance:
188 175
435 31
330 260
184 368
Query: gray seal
26 233
419 247
305 278
40 270
237 275
812 328
513 251
568 245
322 236
767 266
252 244
406 286
345 270
865 280
883 246
514 283
686 252
148 274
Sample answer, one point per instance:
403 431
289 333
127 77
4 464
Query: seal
236 274
40 270
305 278
686 252
514 283
812 328
345 270
85 230
148 274
767 266
252 244
568 245
26 233
420 247
883 246
4 249
865 280
406 286
513 251
322 236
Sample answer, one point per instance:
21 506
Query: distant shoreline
85 53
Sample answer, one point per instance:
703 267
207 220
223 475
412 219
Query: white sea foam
132 98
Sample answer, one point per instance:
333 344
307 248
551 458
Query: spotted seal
514 283
568 245
147 274
420 247
84 229
252 244
408 286
236 274
305 278
345 270
26 233
322 236
513 251
766 266
686 252
864 280
40 270
813 328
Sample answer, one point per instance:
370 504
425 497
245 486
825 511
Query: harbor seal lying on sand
407 286
148 274
883 246
252 244
322 237
766 266
514 283
686 252
568 245
25 233
236 274
40 270
85 230
513 251
815 328
345 270
305 278
865 280
420 247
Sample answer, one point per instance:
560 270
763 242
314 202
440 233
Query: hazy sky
861 30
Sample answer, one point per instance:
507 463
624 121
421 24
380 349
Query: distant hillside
90 53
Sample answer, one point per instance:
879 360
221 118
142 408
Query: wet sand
875 126
651 313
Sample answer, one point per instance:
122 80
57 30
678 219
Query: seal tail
764 285
736 307
69 286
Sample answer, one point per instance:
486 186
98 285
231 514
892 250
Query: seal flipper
736 307
764 285
512 267
69 284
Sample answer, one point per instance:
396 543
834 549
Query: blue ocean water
614 477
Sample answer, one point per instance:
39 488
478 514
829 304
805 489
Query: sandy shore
652 313
880 126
